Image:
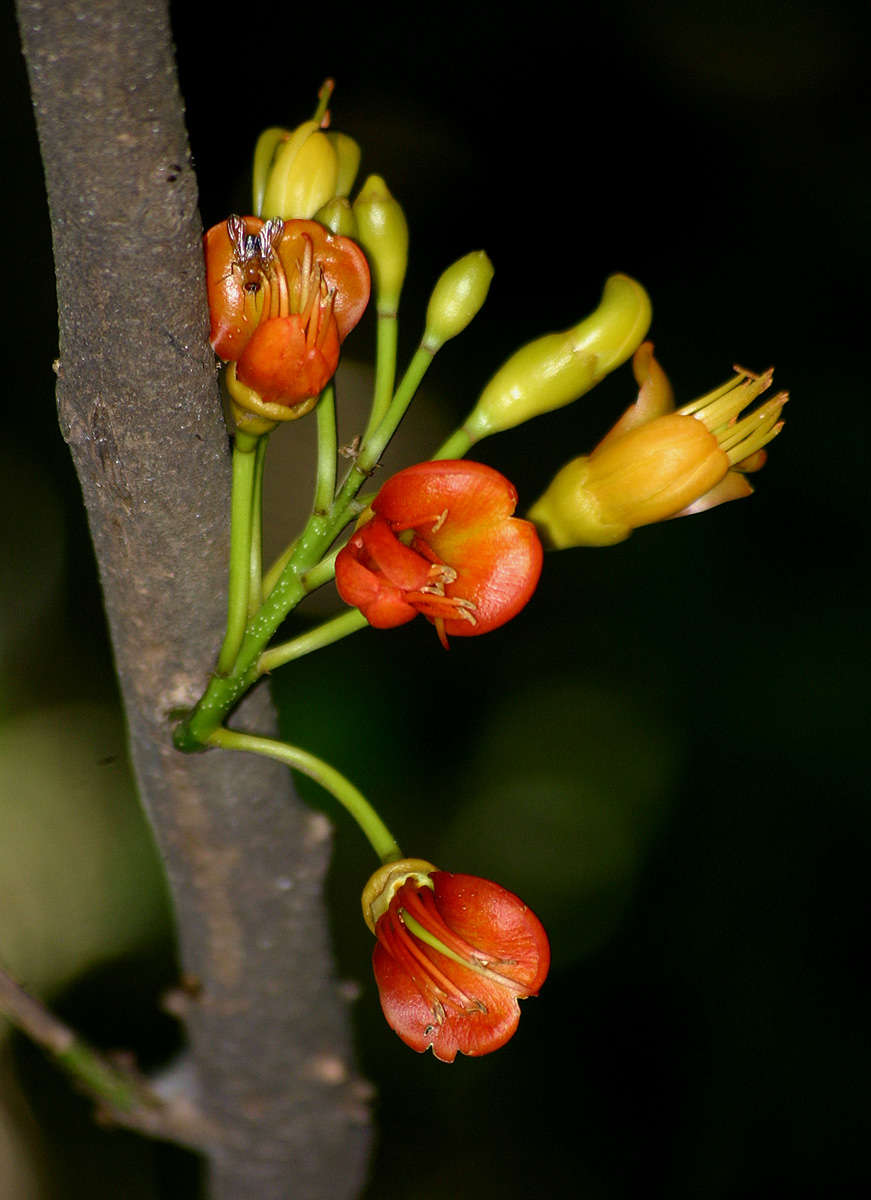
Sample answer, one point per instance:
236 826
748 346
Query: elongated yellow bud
456 298
556 369
382 231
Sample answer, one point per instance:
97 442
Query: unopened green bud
338 216
456 298
382 231
302 175
348 159
556 369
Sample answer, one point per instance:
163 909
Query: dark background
665 753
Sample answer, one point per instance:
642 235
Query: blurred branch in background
122 1096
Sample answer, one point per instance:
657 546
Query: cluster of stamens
262 272
719 411
431 599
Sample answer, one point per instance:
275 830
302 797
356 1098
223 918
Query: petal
233 311
382 550
655 396
733 486
484 1025
381 604
497 570
344 265
498 924
281 363
418 495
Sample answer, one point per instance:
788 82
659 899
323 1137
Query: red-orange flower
455 954
283 295
469 566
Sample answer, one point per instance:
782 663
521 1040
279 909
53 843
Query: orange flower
283 295
470 565
455 954
657 463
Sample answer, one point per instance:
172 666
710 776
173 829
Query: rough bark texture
139 408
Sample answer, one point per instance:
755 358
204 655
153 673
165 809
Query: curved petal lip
498 573
470 490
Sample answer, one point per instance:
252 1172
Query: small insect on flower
253 253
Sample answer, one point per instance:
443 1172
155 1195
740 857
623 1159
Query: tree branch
139 408
122 1096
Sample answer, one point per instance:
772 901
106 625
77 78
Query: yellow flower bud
456 298
556 369
387 880
347 158
338 216
382 231
264 153
659 464
301 175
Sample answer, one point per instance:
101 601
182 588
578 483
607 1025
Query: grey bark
139 407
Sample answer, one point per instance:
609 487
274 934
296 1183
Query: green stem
255 574
376 443
322 573
314 639
273 575
380 837
241 509
225 690
387 333
457 445
314 578
325 488
325 91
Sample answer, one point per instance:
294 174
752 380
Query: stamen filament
412 950
710 397
765 415
430 939
753 443
283 298
720 412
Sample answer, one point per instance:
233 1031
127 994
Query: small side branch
122 1097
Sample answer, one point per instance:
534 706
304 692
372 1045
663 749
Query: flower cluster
454 954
